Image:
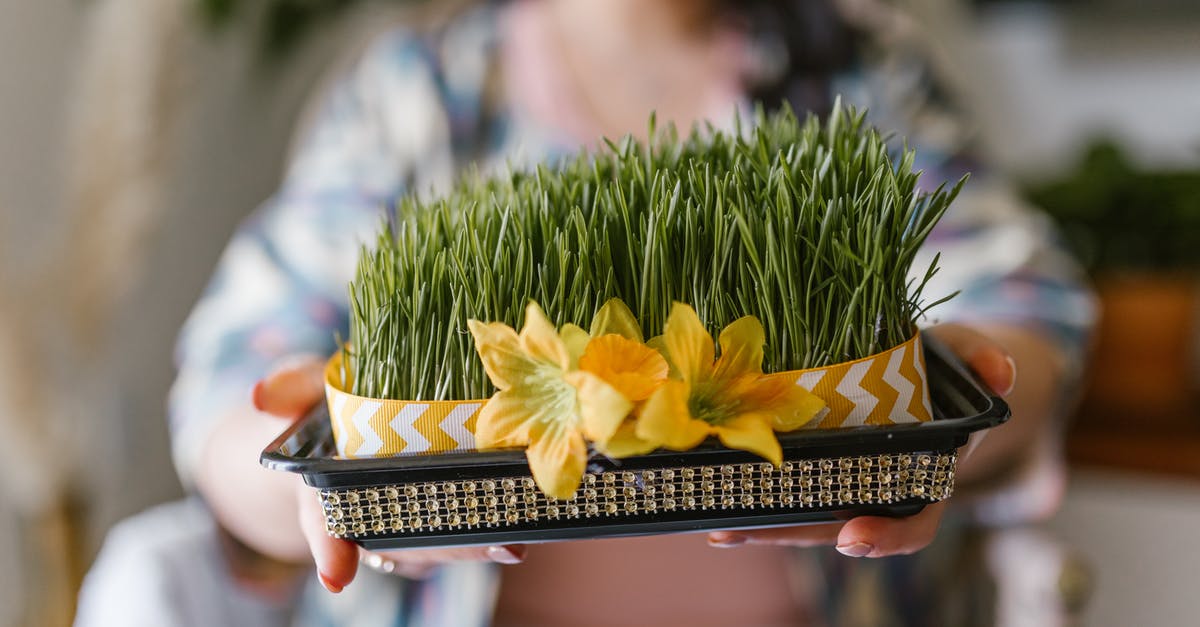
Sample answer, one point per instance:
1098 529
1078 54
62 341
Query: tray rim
938 434
758 520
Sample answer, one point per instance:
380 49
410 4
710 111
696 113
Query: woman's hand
875 536
289 393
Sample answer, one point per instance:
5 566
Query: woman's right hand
289 393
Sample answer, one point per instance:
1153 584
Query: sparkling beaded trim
513 502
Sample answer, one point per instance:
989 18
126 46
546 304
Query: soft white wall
1058 78
36 53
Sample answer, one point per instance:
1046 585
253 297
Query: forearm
256 505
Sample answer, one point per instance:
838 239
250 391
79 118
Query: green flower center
551 398
708 404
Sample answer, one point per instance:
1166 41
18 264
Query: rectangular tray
489 497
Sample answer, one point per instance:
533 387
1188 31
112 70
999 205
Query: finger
796 536
986 357
336 559
502 553
418 563
876 536
292 387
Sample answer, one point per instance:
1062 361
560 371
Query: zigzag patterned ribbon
884 389
887 388
369 427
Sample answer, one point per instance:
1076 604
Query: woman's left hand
876 536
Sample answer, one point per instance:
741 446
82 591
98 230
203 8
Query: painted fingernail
505 555
379 563
725 540
329 585
1012 381
857 549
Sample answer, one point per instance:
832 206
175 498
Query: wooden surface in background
1164 447
1141 405
1163 452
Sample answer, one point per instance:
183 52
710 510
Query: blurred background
135 134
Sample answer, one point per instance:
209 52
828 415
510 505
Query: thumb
292 388
991 361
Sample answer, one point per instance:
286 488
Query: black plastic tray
828 475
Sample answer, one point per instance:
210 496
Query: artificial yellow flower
615 353
633 368
542 404
616 318
729 398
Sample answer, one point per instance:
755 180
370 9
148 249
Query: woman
527 81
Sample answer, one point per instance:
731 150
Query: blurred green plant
283 23
1116 216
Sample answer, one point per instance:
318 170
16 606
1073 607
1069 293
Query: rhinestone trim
513 502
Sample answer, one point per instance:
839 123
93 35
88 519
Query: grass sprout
810 225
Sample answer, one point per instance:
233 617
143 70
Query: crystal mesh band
510 503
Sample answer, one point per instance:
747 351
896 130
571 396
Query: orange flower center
633 368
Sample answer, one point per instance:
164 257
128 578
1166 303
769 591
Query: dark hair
799 46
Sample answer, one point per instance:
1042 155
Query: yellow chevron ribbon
370 427
886 388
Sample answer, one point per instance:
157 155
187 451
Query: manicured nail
329 585
1012 381
505 555
725 540
857 549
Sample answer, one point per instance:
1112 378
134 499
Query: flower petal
789 405
794 409
630 366
557 459
751 432
505 420
666 421
625 442
499 349
688 343
659 344
616 318
540 341
576 341
741 348
602 408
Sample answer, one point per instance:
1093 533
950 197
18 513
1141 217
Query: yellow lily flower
729 398
542 404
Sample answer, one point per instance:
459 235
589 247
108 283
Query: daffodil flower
728 397
615 352
542 403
